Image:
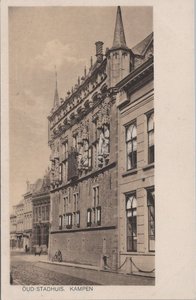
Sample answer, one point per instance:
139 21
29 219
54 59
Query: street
28 269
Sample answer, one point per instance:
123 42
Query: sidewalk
95 274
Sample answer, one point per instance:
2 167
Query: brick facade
89 176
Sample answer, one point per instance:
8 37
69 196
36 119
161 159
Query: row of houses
101 136
29 222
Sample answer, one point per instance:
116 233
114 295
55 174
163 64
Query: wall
141 102
86 247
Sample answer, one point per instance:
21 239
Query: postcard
98 150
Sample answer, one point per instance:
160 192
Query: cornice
91 174
82 86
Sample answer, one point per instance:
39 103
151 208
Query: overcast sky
39 39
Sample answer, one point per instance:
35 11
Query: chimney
99 51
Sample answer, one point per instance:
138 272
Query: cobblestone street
33 270
27 270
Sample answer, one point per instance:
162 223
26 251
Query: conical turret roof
56 94
119 40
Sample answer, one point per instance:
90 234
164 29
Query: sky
41 38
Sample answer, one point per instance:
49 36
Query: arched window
150 128
131 145
151 219
131 214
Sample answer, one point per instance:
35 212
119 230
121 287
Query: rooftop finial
56 76
56 95
119 35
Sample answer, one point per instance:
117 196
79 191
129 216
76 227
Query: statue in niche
103 145
83 146
56 170
80 155
83 156
106 134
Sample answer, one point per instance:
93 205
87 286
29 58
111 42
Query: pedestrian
11 278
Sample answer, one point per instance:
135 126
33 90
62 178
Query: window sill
149 166
64 230
130 172
138 253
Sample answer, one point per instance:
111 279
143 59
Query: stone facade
135 101
19 212
89 178
13 239
29 224
41 213
27 233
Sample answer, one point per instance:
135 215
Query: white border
175 158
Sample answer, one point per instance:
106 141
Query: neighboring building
29 224
27 234
19 209
41 213
135 101
99 178
13 239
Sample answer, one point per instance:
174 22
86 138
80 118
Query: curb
93 268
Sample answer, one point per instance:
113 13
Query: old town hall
101 136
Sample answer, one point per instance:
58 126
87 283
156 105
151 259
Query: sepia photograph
83 86
82 147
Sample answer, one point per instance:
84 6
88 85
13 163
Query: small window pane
129 203
134 202
134 145
129 130
151 122
129 148
151 138
134 131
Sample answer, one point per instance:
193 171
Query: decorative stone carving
103 146
102 119
83 146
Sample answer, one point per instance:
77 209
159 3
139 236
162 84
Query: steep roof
141 47
119 40
56 94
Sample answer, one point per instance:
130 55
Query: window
43 213
90 157
88 217
65 150
39 209
78 219
69 221
75 202
60 221
47 213
98 215
75 141
76 214
131 146
61 172
96 209
65 170
65 204
64 220
151 219
131 212
150 128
